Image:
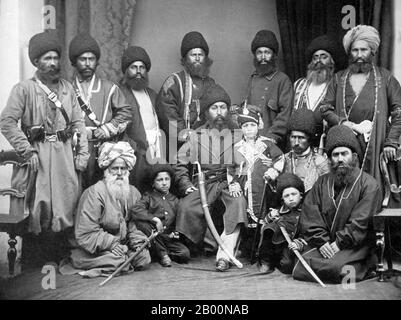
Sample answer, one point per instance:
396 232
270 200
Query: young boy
257 161
157 210
273 248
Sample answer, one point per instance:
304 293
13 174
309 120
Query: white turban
362 32
109 151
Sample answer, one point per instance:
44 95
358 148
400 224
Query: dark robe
349 225
383 133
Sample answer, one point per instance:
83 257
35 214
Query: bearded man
103 105
269 88
212 147
325 57
49 114
178 102
104 238
144 131
363 97
336 217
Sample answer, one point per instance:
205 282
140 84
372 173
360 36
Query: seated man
104 241
157 209
336 216
212 146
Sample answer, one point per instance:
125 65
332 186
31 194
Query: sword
299 256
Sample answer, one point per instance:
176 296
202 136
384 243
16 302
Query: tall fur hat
82 43
342 136
288 180
191 40
332 46
213 94
42 43
157 168
132 54
265 38
303 120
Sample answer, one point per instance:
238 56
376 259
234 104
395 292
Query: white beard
118 189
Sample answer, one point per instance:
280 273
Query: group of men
95 131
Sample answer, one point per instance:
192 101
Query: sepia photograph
200 156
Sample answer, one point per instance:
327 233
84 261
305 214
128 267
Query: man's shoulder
368 179
134 191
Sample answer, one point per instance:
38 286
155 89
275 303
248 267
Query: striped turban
362 32
110 151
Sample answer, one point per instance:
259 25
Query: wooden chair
383 219
14 221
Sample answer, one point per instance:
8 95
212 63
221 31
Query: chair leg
380 243
11 254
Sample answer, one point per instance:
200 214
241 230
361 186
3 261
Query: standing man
336 217
49 114
211 146
144 129
325 56
269 88
303 160
178 102
363 97
103 105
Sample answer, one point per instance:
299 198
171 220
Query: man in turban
103 105
178 102
144 131
363 97
270 89
46 108
212 147
336 216
324 55
104 238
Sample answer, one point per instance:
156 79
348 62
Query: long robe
51 197
345 219
362 107
101 223
109 105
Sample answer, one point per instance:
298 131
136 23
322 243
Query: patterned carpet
197 280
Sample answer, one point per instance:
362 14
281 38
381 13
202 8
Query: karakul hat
342 136
332 46
191 40
157 168
289 180
265 38
303 120
132 54
82 43
213 94
42 43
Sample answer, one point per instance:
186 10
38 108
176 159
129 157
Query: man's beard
139 82
319 73
363 66
200 70
265 69
51 74
342 172
219 122
86 73
118 189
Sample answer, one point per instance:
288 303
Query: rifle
300 258
212 228
124 264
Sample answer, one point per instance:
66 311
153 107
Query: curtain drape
108 21
302 20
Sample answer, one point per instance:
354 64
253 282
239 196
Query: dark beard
343 174
360 67
136 83
265 69
200 71
51 75
218 123
319 73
